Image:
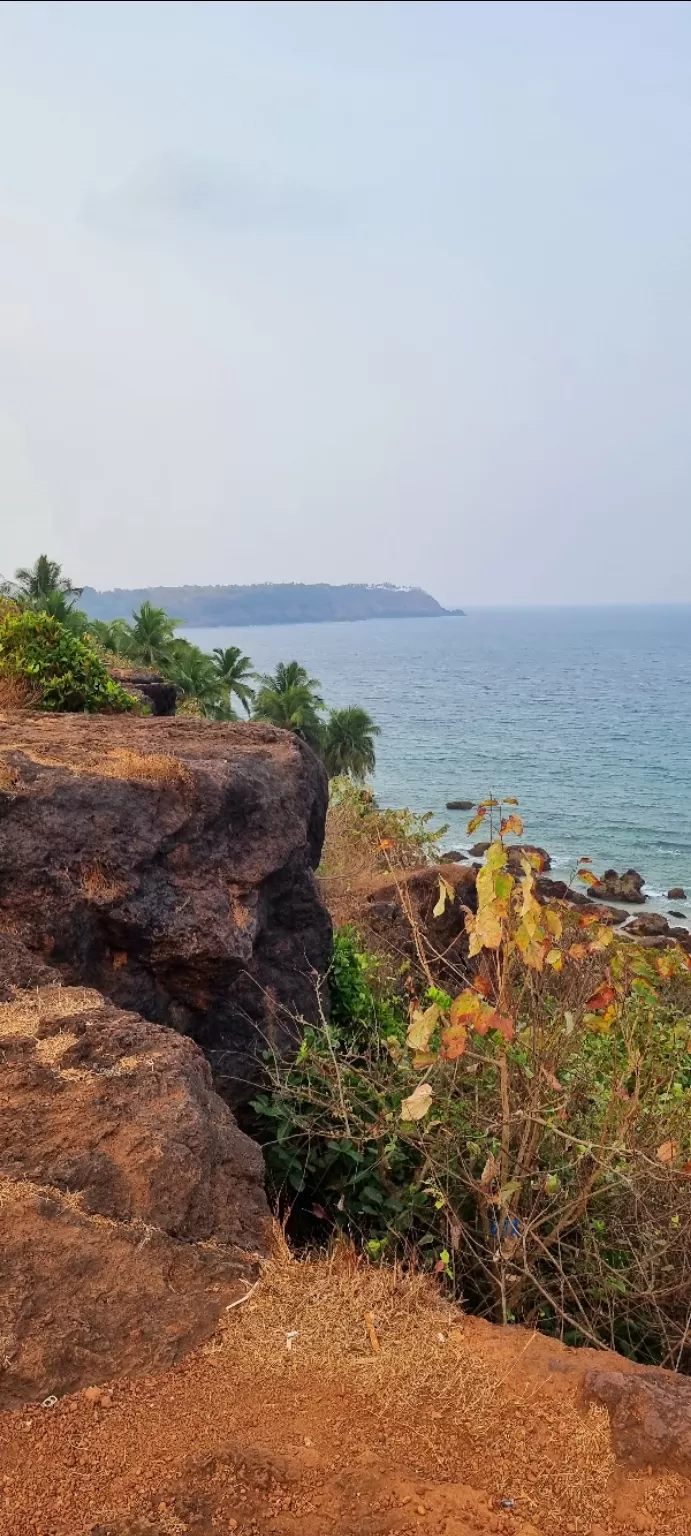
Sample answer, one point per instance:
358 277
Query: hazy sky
349 291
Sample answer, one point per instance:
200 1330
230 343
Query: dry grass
432 1394
146 767
25 1014
100 885
17 693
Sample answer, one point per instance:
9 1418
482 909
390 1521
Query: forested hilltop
284 603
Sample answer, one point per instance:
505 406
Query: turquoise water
583 714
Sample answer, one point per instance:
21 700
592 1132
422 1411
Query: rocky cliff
169 863
131 1204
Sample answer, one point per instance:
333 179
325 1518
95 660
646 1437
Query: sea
584 714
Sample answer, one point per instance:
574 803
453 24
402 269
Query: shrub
61 671
531 1136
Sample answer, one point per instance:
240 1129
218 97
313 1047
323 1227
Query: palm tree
349 743
56 604
194 675
153 635
43 578
233 671
294 709
289 675
114 636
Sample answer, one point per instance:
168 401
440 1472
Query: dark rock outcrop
149 687
626 887
460 805
677 893
170 865
650 925
131 1202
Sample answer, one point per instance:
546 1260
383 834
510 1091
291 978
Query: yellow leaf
422 1027
509 800
418 1104
422 1060
490 801
597 1023
503 885
668 1151
532 948
512 823
465 1005
552 922
587 877
495 857
555 958
485 930
446 893
476 821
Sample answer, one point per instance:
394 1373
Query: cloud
179 195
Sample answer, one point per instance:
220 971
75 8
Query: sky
349 292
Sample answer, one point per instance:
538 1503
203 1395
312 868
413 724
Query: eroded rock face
131 1202
170 865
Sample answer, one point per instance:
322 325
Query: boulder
460 805
626 887
169 864
650 925
650 1416
674 912
453 856
478 850
125 1180
677 893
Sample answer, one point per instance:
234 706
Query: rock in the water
677 893
651 925
132 1203
478 850
460 805
517 851
626 887
170 865
452 856
673 912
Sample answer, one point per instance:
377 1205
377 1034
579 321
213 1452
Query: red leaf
602 998
493 1020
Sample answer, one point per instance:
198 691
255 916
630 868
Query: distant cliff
285 603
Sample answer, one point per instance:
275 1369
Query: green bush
59 669
530 1140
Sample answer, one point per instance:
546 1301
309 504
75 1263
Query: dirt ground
336 1398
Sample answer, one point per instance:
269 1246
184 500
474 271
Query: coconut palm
57 604
152 635
290 675
293 706
41 579
194 675
233 671
114 635
349 743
